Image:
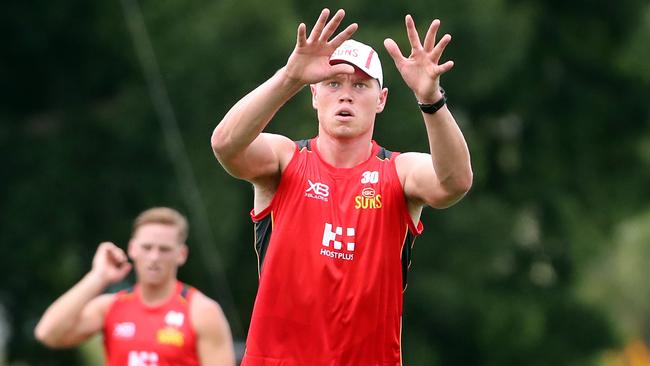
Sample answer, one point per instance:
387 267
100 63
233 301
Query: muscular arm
79 313
238 142
75 316
214 341
441 178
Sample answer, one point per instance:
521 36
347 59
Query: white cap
360 55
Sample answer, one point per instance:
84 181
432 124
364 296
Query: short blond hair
165 216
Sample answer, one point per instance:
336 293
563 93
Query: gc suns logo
368 199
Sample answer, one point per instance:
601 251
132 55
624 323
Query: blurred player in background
160 321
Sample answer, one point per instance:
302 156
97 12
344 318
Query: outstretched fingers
331 26
445 67
394 51
440 48
324 29
301 38
412 33
308 62
435 50
430 38
344 35
320 24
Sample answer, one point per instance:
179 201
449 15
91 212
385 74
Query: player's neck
342 153
156 294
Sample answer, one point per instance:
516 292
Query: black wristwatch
431 108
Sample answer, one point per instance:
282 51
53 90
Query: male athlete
335 215
158 322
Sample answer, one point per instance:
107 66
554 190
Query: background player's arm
214 340
75 316
79 313
238 142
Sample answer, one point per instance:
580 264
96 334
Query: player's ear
381 100
182 256
130 249
314 103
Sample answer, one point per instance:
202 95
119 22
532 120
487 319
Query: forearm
449 152
64 314
248 117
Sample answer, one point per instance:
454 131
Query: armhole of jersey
187 292
385 154
256 216
414 227
263 220
301 144
122 293
263 230
407 252
116 297
413 230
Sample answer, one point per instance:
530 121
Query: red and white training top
334 247
139 335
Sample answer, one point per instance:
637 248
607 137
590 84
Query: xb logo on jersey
317 191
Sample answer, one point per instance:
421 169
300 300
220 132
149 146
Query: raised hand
422 69
309 61
110 262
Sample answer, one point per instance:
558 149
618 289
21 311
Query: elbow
218 142
223 145
45 337
40 333
458 185
455 190
463 184
51 337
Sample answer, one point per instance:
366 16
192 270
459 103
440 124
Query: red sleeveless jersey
334 247
139 335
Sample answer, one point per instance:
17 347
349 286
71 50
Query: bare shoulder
407 161
200 303
412 155
423 186
214 340
265 184
419 181
100 304
93 317
281 145
205 313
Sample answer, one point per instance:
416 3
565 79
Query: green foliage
538 265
